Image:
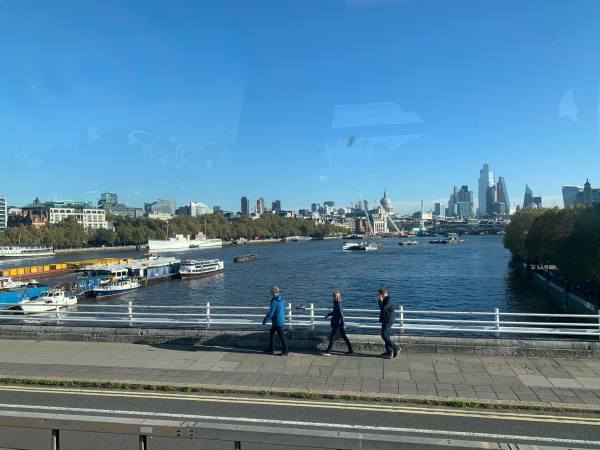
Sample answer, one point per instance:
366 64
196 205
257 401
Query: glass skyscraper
486 180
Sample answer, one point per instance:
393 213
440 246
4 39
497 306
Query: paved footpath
418 376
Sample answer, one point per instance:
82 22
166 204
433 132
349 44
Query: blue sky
302 101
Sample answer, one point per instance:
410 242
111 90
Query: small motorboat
48 301
245 258
117 287
403 243
360 246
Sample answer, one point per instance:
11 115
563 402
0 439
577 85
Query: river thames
470 276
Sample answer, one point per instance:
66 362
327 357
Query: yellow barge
58 268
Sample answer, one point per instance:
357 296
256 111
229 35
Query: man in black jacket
337 325
386 318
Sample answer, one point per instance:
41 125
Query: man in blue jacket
386 318
276 315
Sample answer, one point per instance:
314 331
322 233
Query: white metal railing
208 315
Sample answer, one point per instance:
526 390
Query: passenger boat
48 301
117 287
191 268
244 258
451 239
181 243
25 251
360 246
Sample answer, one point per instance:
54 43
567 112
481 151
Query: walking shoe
396 352
350 352
283 354
325 353
268 350
388 355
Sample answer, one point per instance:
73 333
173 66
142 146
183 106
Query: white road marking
352 427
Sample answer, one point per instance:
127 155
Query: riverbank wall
309 341
562 298
119 248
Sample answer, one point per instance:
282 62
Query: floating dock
45 270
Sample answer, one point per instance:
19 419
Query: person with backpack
276 315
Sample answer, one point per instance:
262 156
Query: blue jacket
337 316
276 312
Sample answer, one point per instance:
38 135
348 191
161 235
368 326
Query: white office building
3 213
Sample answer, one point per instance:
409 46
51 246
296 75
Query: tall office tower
486 179
570 195
276 205
437 209
464 202
528 198
502 194
245 207
315 207
260 205
587 194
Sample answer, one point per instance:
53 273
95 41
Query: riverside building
42 213
3 213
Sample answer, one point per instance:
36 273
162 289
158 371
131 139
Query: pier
48 270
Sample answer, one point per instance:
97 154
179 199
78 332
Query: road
545 429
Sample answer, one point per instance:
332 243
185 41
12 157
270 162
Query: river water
471 276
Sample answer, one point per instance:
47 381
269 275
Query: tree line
568 238
137 231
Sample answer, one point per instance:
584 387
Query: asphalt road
557 430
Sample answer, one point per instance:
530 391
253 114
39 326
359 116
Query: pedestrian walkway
418 376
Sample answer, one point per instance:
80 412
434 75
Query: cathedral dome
386 203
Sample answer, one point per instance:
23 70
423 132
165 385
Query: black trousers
386 335
279 330
333 335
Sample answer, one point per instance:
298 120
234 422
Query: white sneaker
325 354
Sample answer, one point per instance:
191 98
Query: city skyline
220 96
400 206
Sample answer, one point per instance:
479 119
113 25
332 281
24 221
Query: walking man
337 324
276 315
386 317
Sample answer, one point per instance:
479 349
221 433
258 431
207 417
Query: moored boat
25 251
48 301
244 258
181 243
117 287
192 268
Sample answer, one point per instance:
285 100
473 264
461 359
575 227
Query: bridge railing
240 436
407 321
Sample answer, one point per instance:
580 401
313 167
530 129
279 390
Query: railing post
130 312
401 319
290 314
312 315
55 440
57 312
497 315
208 314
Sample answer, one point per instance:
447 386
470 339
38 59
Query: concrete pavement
551 382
